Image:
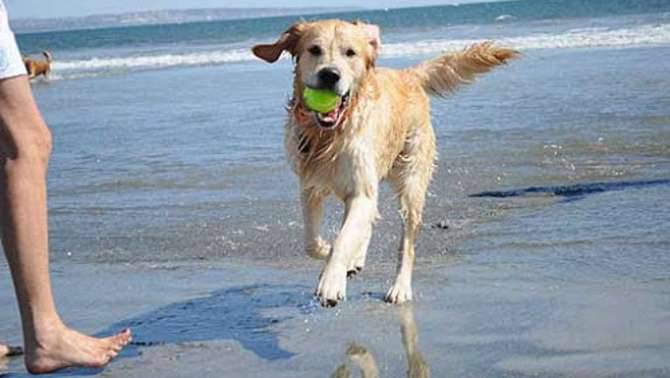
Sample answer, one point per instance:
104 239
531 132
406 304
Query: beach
546 231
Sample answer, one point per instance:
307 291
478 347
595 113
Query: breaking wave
646 35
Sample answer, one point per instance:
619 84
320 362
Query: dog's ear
373 33
287 42
374 38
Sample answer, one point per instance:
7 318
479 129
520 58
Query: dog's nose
329 76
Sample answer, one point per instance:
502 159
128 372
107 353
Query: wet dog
36 67
381 129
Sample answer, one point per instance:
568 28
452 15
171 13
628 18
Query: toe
126 337
353 272
121 339
112 354
329 298
100 360
116 348
332 285
10 351
398 294
114 344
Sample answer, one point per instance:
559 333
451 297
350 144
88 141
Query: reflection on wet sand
359 357
418 368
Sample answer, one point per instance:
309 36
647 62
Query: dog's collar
302 116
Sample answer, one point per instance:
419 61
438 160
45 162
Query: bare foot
10 351
62 347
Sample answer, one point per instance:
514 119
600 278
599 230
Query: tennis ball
320 100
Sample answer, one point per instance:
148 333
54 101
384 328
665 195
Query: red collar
302 116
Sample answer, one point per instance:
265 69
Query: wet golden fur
386 133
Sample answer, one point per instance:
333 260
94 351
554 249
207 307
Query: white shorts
11 63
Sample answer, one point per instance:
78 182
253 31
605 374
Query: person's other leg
9 351
25 147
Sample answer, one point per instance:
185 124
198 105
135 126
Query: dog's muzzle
333 118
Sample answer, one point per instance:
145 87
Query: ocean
525 24
168 139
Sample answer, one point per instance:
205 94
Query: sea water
168 140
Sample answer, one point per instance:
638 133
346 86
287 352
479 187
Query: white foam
154 61
577 38
505 17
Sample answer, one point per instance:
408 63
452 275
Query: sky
66 8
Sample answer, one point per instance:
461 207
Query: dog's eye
315 50
351 52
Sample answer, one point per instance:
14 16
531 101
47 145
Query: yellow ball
320 100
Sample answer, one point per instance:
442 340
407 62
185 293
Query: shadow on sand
572 192
228 314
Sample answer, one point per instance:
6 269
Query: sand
473 316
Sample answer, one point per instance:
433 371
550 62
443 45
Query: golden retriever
380 130
36 67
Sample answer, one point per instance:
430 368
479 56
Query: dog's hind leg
410 177
411 207
312 209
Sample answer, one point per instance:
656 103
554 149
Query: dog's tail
443 75
48 56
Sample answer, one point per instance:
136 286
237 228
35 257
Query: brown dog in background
36 68
381 129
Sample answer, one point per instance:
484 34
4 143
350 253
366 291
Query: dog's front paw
356 265
319 249
399 293
332 285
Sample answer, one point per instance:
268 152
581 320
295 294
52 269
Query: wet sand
496 308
